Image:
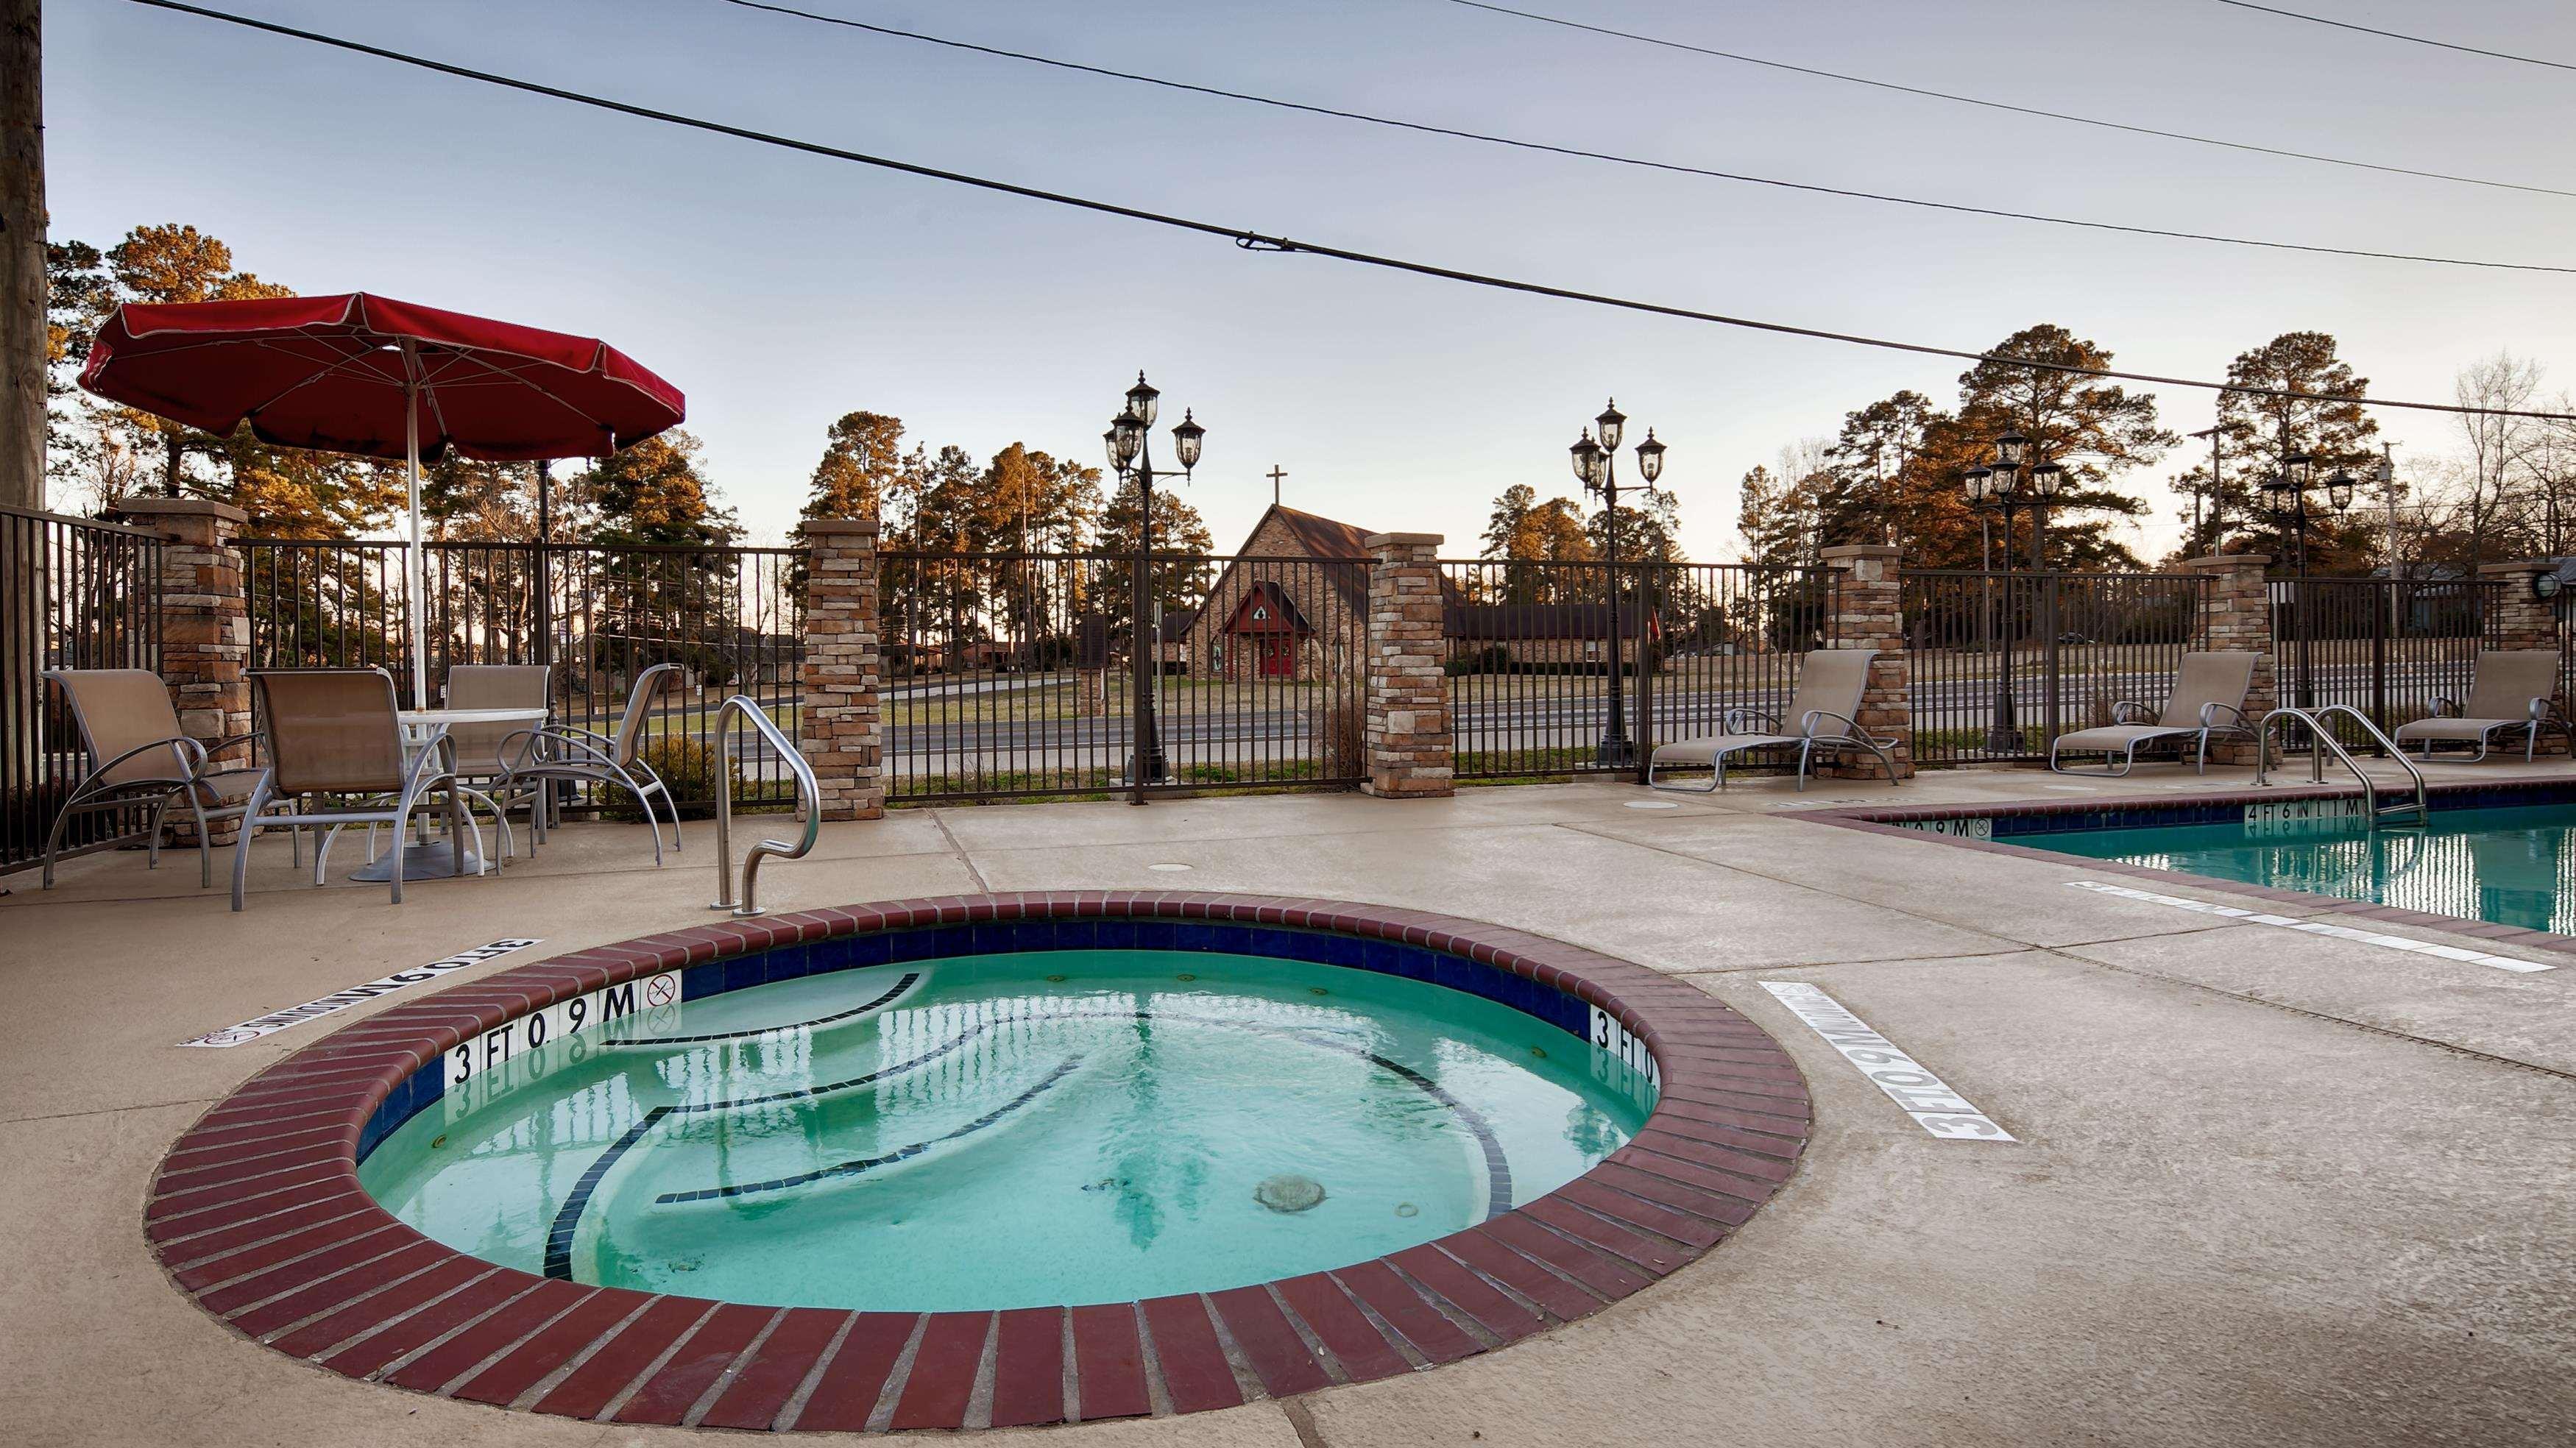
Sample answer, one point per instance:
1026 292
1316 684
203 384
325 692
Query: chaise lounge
1826 708
2512 693
2207 700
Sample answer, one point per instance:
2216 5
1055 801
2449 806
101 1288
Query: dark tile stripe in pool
892 994
1559 1259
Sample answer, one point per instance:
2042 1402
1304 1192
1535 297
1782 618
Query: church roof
1320 537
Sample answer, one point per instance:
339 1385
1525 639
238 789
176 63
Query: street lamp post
2287 491
2001 487
2217 505
1596 466
1131 455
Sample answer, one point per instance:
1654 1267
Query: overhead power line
2396 35
1589 155
1994 105
1258 241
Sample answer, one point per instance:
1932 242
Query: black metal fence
1531 687
74 594
2385 647
732 619
2003 663
1016 675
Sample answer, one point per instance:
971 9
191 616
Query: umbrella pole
419 562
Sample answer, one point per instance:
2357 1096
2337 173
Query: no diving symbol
658 991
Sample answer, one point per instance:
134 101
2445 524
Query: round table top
417 717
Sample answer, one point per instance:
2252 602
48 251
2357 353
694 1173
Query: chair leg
241 847
152 842
205 851
54 836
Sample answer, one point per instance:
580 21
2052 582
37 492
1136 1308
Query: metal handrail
809 802
2315 720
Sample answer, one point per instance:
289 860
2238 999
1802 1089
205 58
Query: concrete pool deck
2269 1186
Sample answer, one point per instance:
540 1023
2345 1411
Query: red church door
1278 657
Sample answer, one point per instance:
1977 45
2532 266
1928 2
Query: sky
780 291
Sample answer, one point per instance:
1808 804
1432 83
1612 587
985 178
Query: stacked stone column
205 625
841 733
1411 753
2236 617
1868 613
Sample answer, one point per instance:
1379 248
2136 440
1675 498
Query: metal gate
74 594
2386 647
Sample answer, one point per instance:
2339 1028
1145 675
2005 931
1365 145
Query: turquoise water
2509 866
1008 1131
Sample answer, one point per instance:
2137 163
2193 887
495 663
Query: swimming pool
1168 1194
2508 866
1009 1130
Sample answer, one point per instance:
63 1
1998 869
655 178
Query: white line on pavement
1933 1105
2319 927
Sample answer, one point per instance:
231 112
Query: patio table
424 728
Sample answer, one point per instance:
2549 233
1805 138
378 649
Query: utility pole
22 255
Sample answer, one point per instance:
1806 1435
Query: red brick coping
258 1215
1892 821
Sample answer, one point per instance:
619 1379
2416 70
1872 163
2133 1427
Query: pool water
1009 1131
2509 866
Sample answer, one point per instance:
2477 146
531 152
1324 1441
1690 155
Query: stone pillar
1410 752
840 732
2236 617
1090 693
205 625
1869 613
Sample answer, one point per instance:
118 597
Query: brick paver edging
1888 821
257 1213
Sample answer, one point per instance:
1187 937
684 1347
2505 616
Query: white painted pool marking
654 999
2319 927
1652 804
2072 788
1167 869
1925 1097
274 1021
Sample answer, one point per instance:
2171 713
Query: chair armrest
181 747
2209 716
1732 718
2119 712
2538 710
230 740
1807 722
2440 706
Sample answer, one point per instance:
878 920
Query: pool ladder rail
2377 813
809 805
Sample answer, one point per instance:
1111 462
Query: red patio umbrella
380 378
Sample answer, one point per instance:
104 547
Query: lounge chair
336 748
567 751
2207 700
1826 708
2512 693
140 759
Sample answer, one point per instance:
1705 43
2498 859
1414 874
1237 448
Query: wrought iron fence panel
2003 663
2386 647
74 594
1016 675
1531 688
596 616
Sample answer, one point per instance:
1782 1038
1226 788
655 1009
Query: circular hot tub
987 1161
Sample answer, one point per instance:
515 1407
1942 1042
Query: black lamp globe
1977 483
1186 438
2301 469
1610 423
2046 479
1126 436
1141 401
2009 449
1650 458
1586 456
2339 490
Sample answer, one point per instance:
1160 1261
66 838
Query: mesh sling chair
138 758
1826 709
335 746
489 755
2512 693
2207 700
567 751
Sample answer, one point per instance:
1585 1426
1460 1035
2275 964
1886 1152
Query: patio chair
487 755
139 758
2514 691
1826 708
568 751
2207 700
336 748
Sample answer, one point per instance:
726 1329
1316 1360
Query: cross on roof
1276 473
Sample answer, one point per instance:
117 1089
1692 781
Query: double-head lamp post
2287 491
1596 466
1131 456
2002 486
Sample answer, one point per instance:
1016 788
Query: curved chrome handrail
2315 720
809 802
